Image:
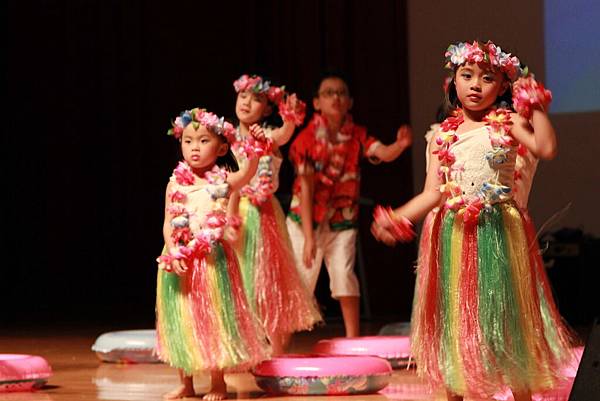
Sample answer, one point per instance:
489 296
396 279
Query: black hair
228 160
440 114
332 73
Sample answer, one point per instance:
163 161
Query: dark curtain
91 87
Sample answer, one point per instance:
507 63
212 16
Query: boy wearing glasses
323 217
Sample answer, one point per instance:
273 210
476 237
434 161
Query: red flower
452 123
183 174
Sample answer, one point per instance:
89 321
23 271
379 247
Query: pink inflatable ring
396 349
23 372
323 374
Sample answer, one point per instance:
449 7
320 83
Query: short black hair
331 73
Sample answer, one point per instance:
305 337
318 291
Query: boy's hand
404 136
308 253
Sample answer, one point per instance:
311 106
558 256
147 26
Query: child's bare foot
181 391
216 393
218 389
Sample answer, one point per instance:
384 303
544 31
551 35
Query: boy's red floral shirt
335 170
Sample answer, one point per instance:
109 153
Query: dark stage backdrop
91 87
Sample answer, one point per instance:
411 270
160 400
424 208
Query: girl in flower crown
483 314
271 280
203 320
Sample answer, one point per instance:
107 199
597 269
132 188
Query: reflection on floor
78 374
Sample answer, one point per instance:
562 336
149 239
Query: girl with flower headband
323 217
271 280
483 315
203 320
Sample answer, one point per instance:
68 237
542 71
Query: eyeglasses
332 92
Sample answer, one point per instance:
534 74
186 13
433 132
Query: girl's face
333 99
251 107
477 86
201 148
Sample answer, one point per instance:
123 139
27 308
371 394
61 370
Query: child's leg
351 313
218 388
340 254
522 395
185 389
308 275
453 397
279 343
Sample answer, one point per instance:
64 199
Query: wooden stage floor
78 375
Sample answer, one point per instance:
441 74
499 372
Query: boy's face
333 100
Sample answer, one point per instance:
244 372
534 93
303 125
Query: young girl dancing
483 314
271 279
203 320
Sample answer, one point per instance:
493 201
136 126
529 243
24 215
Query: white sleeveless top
478 164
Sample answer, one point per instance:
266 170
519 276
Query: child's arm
243 176
233 206
388 153
536 134
179 266
294 110
416 208
306 215
283 134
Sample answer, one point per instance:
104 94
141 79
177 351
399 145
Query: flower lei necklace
330 157
498 124
261 190
195 245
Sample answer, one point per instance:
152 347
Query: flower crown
198 117
256 84
488 53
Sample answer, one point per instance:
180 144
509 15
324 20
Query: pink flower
175 209
183 174
498 119
400 227
177 131
474 53
446 157
293 110
241 83
164 262
472 211
181 235
446 138
275 94
177 196
452 123
528 94
215 219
